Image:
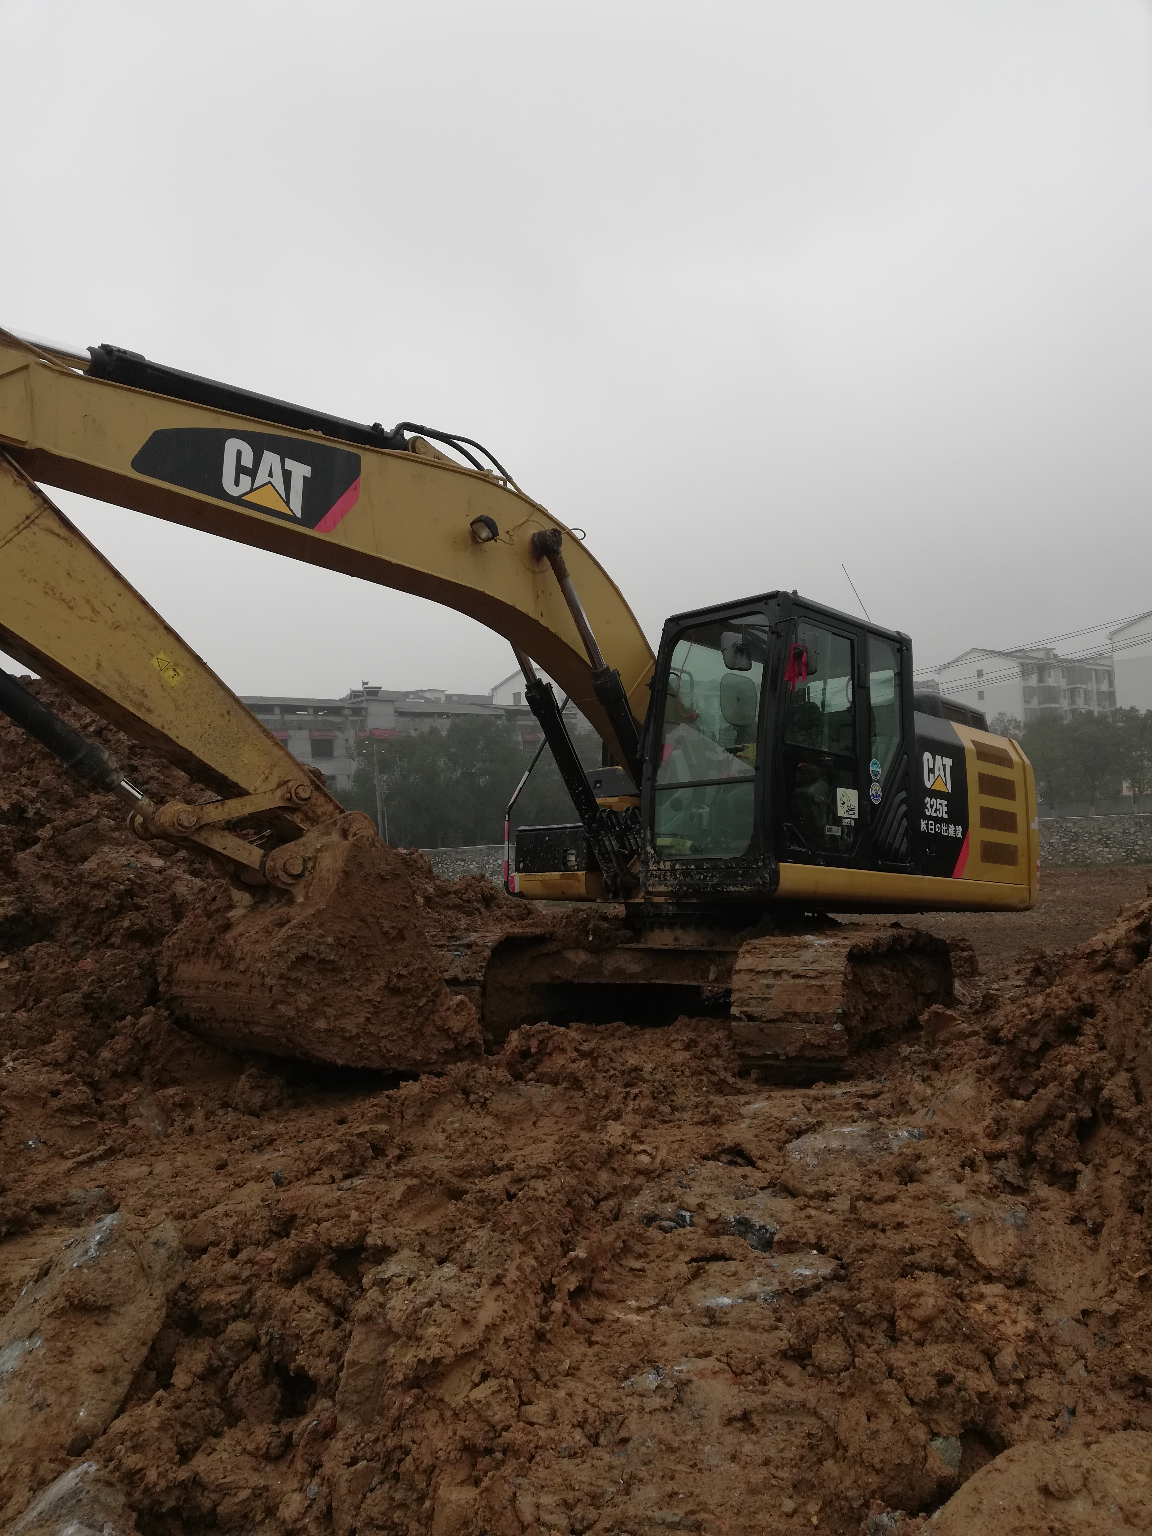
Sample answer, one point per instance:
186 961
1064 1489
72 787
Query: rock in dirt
81 1502
1058 1489
832 1150
75 1338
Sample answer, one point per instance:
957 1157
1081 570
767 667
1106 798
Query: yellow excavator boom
413 520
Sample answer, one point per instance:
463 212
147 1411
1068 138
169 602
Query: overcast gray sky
745 290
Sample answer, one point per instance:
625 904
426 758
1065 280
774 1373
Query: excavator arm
328 960
379 505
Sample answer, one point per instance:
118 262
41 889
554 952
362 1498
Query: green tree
1093 757
449 789
1133 729
1006 725
1044 745
1077 759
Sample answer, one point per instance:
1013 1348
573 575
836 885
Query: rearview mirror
736 651
739 697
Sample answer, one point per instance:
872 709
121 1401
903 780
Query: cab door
843 753
821 811
889 677
705 781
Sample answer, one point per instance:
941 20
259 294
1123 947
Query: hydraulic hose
89 762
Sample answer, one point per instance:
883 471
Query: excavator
769 774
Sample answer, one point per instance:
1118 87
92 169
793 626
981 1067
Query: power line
1070 634
1014 671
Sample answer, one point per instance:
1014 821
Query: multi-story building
508 693
326 732
1028 682
1132 650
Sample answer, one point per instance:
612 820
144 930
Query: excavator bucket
342 972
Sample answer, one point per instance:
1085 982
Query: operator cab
778 732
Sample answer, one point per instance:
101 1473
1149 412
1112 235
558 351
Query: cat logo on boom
311 484
938 773
266 488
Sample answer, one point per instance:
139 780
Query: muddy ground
1074 904
599 1283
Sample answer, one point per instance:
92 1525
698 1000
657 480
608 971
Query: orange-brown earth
1073 905
598 1283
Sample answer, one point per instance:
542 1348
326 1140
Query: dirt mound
1057 1490
599 1282
84 907
471 904
346 974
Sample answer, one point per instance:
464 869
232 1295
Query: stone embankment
1063 840
482 859
1095 839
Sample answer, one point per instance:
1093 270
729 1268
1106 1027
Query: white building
1132 653
325 732
1028 682
509 694
509 691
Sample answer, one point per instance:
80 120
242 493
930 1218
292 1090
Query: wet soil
1074 904
345 974
601 1282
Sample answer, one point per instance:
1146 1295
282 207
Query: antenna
859 599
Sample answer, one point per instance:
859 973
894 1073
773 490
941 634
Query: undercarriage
344 970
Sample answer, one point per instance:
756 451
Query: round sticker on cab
875 794
874 768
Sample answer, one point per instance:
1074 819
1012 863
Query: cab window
821 763
884 697
705 797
